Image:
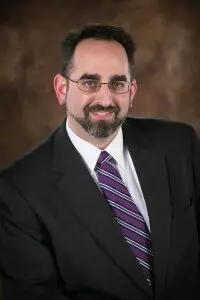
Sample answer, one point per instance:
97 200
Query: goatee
100 128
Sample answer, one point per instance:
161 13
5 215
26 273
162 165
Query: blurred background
167 35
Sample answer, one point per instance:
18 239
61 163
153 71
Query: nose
104 96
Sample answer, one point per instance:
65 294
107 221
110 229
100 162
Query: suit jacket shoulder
32 162
161 134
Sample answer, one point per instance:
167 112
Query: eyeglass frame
100 83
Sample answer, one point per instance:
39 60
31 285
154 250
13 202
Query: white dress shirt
116 149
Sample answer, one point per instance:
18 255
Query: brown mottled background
167 34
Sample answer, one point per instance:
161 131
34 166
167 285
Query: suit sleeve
26 262
196 155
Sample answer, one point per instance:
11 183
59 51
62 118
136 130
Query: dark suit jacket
59 239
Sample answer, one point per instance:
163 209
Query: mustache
98 107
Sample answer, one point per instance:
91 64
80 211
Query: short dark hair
98 32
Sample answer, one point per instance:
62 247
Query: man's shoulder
32 163
160 127
153 123
161 134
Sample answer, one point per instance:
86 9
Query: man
107 207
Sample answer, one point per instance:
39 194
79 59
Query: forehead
106 58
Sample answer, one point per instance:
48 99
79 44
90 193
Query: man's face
98 113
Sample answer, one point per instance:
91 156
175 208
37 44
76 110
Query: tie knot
104 157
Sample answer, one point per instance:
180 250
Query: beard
100 128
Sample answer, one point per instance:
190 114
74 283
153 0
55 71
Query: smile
101 115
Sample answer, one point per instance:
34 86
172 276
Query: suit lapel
82 194
152 173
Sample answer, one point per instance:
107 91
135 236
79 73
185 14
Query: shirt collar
90 153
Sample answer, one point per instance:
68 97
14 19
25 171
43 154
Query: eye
90 83
118 84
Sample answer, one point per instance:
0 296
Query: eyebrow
115 77
90 76
118 78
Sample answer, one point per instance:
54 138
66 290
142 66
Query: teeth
102 113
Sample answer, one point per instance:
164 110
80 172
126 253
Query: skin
105 59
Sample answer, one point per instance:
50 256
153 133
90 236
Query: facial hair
100 128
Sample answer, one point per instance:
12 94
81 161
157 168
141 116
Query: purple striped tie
130 220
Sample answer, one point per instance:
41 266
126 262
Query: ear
133 91
61 86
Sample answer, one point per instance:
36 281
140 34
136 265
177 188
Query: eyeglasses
94 85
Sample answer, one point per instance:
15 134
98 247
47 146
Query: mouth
102 115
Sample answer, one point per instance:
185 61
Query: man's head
94 55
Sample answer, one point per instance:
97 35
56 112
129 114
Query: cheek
124 103
76 100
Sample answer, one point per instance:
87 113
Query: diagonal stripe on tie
114 191
125 210
105 173
128 217
133 229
